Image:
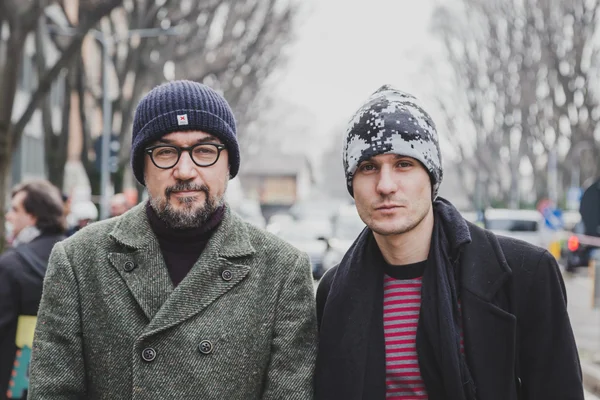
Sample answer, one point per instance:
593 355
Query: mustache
185 186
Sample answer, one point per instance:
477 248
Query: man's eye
165 152
404 164
367 167
205 150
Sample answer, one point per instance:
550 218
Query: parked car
525 225
577 254
347 225
278 221
250 211
320 208
306 235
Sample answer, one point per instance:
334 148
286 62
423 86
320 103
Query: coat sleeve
323 293
294 346
549 360
9 312
57 364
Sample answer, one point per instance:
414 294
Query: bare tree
333 182
232 45
523 72
19 19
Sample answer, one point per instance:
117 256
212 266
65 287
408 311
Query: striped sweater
401 304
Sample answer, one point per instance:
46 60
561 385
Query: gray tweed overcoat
241 325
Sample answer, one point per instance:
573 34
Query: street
584 319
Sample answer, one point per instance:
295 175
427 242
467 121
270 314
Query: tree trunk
5 164
57 144
118 179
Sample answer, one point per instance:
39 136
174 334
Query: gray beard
186 218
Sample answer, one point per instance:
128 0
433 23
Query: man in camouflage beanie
423 304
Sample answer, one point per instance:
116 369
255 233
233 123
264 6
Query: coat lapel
141 264
483 280
213 275
489 330
143 269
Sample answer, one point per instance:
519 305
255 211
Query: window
512 225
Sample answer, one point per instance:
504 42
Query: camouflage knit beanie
392 122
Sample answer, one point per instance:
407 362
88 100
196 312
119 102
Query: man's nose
185 169
387 183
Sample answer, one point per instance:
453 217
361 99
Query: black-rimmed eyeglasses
166 156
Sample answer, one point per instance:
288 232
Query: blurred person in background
118 205
178 298
82 214
66 205
425 305
37 220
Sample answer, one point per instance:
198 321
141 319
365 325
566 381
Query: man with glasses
178 298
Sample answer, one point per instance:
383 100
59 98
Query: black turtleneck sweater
181 248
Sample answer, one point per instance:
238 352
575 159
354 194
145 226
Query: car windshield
512 225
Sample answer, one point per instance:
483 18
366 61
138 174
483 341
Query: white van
527 225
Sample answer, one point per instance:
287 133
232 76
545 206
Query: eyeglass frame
220 147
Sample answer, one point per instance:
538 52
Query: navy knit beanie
182 106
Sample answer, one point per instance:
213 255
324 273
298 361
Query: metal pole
552 177
576 156
106 132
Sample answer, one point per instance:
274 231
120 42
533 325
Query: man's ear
34 219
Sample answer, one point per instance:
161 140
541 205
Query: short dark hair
43 200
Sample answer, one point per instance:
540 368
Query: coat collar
141 265
483 280
133 230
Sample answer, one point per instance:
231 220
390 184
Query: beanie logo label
182 119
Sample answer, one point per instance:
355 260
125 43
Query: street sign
113 157
543 204
553 218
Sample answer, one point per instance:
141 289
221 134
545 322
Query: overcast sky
345 50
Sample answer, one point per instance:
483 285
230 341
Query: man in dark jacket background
36 216
425 305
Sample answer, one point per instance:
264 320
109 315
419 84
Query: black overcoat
516 327
20 293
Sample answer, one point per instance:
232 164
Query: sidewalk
589 396
586 327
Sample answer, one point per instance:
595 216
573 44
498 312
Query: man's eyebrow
374 160
209 139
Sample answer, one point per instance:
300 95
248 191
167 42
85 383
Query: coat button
129 266
148 354
205 347
227 275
